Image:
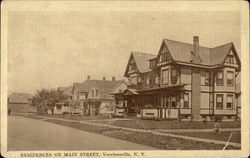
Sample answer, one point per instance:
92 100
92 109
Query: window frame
221 106
232 80
232 105
222 80
185 101
167 81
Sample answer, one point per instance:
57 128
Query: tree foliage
49 97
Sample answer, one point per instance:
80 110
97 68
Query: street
31 134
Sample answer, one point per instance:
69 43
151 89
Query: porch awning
130 92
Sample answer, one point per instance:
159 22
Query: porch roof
130 92
168 87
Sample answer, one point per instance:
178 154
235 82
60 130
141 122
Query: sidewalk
153 132
196 130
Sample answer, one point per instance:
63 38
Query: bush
218 118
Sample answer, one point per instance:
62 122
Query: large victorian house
183 79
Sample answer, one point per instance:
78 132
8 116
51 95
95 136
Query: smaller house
20 103
94 95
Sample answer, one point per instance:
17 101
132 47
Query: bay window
229 101
230 77
219 78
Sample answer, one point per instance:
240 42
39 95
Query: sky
47 49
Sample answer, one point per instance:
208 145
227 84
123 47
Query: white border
136 5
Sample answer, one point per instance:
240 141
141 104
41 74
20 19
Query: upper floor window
205 78
156 78
165 74
186 100
139 79
132 65
230 76
219 78
96 92
174 76
93 93
152 63
133 80
163 57
229 101
151 79
230 59
219 101
147 80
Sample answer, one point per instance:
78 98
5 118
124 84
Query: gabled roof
104 87
20 98
219 53
181 51
66 90
141 61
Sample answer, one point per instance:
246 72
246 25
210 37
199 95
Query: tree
49 98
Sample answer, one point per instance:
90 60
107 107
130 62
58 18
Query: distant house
94 95
184 80
20 103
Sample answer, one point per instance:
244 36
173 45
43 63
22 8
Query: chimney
195 55
88 78
104 78
196 45
113 78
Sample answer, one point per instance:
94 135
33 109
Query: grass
160 142
150 124
223 136
164 124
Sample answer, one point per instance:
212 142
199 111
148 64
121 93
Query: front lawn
236 137
159 142
166 124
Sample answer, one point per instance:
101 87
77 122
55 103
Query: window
156 79
152 63
165 76
173 102
151 79
186 100
93 93
132 65
230 75
133 80
173 76
205 78
139 80
230 59
229 101
96 92
219 79
219 101
147 80
163 57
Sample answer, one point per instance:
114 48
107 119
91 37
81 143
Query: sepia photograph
124 79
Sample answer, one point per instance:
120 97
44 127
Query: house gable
232 59
164 56
131 66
